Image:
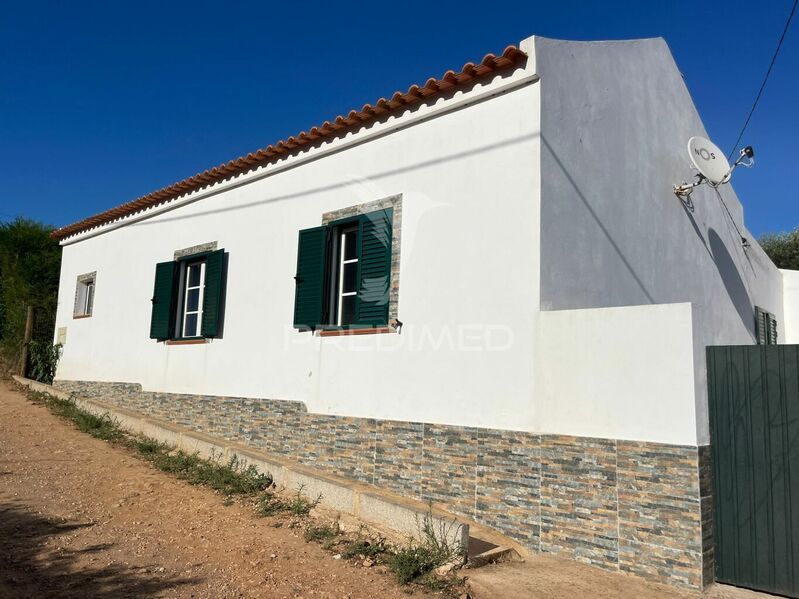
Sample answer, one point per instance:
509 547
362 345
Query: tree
782 248
30 264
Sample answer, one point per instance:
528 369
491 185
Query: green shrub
782 248
42 361
29 273
269 504
423 555
323 532
413 561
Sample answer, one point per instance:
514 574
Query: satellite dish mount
711 165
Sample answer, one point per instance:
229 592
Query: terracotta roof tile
415 94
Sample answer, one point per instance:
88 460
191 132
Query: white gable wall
616 118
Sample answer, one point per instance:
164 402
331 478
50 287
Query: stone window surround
201 248
83 279
395 203
196 249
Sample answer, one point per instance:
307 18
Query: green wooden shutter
163 301
310 278
760 326
375 268
766 327
772 330
213 293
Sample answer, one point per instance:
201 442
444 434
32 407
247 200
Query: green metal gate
753 397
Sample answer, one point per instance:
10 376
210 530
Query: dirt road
80 518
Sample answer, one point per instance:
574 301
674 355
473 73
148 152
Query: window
192 287
766 327
343 275
188 297
84 295
89 299
345 279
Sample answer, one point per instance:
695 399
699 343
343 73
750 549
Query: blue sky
101 102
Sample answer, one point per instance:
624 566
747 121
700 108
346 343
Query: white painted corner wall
790 294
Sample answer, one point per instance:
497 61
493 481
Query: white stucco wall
622 373
469 181
790 293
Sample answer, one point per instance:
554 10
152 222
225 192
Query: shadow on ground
33 563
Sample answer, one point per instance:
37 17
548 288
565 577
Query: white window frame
185 288
88 303
84 295
342 243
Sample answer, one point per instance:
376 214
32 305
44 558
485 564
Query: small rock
367 563
445 569
161 569
337 556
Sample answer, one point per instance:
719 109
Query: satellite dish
709 160
714 169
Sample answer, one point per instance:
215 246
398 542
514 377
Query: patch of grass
321 533
100 427
233 477
148 447
271 504
363 547
421 556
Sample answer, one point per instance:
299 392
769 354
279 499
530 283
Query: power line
763 85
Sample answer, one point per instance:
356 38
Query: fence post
23 366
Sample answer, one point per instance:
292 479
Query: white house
481 292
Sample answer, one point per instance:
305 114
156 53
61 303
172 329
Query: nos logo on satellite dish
708 159
705 154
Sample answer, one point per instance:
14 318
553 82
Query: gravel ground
81 518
